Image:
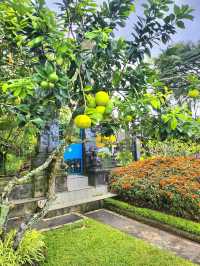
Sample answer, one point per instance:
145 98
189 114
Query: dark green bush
132 211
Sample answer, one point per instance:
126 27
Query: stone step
83 200
72 198
58 221
24 207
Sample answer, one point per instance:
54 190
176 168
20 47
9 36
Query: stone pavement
180 246
56 222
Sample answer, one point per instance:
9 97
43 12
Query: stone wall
37 188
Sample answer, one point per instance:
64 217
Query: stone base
81 201
77 182
98 176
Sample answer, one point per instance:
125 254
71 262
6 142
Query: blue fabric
73 151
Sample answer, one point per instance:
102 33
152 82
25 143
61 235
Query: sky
191 33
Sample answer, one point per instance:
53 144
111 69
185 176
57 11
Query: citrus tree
153 113
70 62
178 66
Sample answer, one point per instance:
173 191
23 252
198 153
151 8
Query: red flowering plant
162 183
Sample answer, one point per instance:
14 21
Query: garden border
177 225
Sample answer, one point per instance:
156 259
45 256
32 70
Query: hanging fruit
102 98
82 121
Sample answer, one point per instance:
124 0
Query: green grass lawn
92 243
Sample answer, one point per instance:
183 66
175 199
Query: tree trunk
36 217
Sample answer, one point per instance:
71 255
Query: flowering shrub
169 184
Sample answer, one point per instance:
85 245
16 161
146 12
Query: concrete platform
76 197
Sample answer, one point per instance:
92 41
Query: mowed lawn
91 243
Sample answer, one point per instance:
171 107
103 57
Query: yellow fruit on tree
102 98
82 121
193 93
100 109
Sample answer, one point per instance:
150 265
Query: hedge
180 226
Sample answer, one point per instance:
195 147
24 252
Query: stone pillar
136 148
98 176
61 177
48 141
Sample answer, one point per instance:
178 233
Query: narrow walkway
57 221
180 246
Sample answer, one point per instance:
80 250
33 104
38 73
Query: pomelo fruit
44 84
59 60
53 77
102 98
82 121
100 109
193 93
51 85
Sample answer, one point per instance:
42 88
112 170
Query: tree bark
51 163
53 167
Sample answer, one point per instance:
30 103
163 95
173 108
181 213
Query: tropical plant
179 68
30 250
124 157
169 147
58 60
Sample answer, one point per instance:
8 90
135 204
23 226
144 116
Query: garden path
180 246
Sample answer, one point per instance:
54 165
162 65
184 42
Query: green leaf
90 111
88 88
176 10
165 118
173 123
155 103
116 78
91 35
17 91
36 41
96 117
38 121
5 87
180 24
